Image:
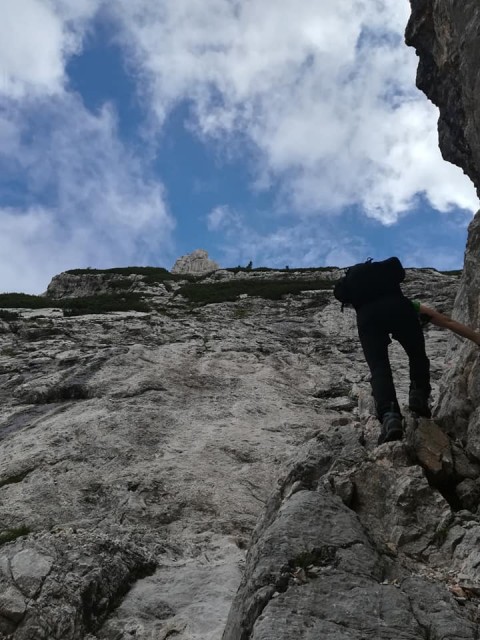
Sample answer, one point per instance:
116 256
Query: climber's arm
440 320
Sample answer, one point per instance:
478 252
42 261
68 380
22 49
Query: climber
373 289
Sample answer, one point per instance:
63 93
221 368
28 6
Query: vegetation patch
8 352
316 557
242 312
441 535
72 391
240 269
102 303
318 302
8 316
455 272
19 477
151 275
230 290
9 535
25 301
120 284
285 270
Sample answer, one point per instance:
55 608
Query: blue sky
280 133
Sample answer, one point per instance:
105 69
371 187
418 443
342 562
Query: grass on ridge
229 291
285 270
76 306
9 535
152 275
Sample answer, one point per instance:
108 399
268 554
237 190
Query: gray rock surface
68 285
138 452
446 37
29 570
416 501
142 453
460 405
12 604
195 263
387 564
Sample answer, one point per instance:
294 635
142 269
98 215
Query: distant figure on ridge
373 289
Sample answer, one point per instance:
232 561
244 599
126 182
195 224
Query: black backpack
368 281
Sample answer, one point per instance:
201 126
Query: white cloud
31 249
36 39
34 246
102 203
321 92
303 244
325 91
223 218
336 240
30 48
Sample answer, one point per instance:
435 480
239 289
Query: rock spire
195 263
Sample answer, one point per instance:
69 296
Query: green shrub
317 557
455 272
289 270
103 304
242 312
230 290
120 284
8 315
9 535
25 301
8 352
152 275
20 477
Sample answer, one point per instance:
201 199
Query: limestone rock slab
195 263
29 570
445 36
12 604
145 453
319 569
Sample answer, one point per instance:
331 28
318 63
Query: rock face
460 399
142 453
378 566
358 542
195 263
446 37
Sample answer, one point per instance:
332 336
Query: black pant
376 321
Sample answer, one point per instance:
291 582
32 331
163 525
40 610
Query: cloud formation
317 97
36 39
101 203
86 198
301 244
324 91
338 240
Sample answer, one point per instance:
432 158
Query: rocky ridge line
139 451
445 36
424 582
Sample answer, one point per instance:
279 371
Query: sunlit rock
195 263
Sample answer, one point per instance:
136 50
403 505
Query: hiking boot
392 427
418 401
